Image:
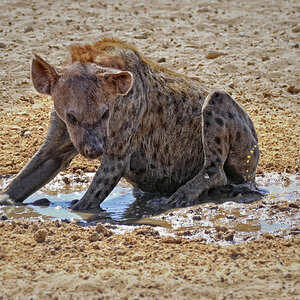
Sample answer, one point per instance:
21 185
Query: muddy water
219 218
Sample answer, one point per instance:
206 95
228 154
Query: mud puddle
219 219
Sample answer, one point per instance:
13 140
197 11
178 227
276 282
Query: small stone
4 218
26 133
74 237
100 228
228 236
212 54
137 257
231 85
296 46
142 36
296 29
28 29
94 237
221 228
293 90
66 180
41 202
162 60
293 205
171 240
265 58
250 63
40 236
34 227
197 218
2 46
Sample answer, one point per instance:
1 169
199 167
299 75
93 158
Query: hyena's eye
105 115
72 119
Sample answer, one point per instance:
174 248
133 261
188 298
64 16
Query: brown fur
162 131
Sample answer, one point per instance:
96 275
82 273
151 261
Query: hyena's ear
43 75
119 82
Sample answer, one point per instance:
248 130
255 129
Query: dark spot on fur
105 170
220 150
106 181
119 165
166 151
112 169
219 121
213 152
125 126
207 124
212 165
230 115
120 147
216 95
152 166
218 160
208 113
218 140
159 109
245 128
238 136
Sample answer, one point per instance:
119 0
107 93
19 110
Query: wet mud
218 219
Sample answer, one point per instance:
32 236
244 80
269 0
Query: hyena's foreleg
53 156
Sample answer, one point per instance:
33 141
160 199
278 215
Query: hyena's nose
93 152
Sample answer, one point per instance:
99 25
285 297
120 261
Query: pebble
94 237
28 29
212 54
293 90
26 133
4 218
41 202
35 227
142 36
162 60
2 46
221 228
40 236
265 58
228 236
231 85
66 180
102 229
296 29
137 257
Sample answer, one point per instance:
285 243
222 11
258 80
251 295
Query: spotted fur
166 135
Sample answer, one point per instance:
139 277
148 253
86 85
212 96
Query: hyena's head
84 96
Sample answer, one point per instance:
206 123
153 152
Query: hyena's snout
93 147
93 151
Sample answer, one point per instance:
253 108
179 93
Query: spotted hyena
163 132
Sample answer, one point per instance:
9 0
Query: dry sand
259 66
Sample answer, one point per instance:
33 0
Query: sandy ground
259 66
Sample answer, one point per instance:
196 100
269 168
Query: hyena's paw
182 198
6 200
82 205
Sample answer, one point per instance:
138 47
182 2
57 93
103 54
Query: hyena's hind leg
54 155
222 119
